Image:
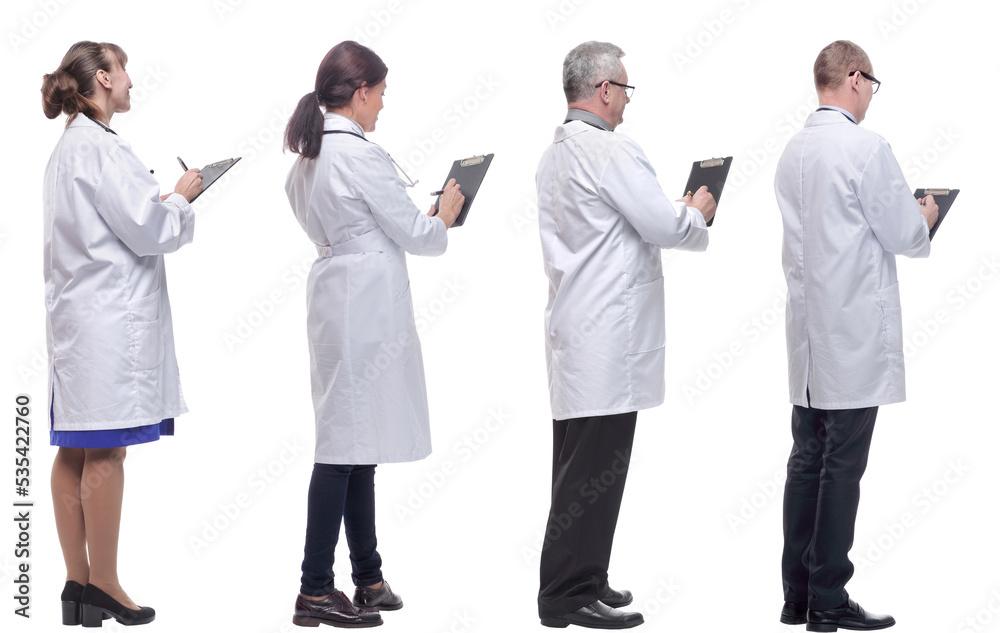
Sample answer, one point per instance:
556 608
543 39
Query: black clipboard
711 173
944 199
468 172
212 172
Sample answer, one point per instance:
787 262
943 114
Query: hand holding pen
189 185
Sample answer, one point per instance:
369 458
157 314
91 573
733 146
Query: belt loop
324 251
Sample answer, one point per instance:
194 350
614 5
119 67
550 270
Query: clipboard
212 172
468 172
711 173
944 199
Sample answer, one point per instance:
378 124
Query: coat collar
827 117
333 121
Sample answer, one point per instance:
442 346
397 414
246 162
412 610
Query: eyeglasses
875 82
628 89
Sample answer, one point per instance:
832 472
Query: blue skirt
109 438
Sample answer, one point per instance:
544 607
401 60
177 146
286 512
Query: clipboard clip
712 162
475 160
220 163
937 192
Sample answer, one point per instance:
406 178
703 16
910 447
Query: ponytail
304 133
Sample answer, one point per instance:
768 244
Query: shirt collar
841 110
587 117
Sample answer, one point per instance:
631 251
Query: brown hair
345 68
70 88
835 61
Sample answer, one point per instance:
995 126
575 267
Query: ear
363 92
605 92
103 78
855 82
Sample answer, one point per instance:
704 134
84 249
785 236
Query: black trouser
590 458
340 492
829 456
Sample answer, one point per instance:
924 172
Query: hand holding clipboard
469 173
711 173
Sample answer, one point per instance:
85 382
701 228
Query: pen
437 193
183 166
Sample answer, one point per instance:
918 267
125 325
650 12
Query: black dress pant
590 458
340 492
829 456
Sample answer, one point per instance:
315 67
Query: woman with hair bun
113 379
367 372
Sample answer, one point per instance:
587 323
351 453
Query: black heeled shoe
71 608
97 606
71 602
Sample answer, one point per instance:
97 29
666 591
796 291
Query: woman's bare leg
103 483
67 471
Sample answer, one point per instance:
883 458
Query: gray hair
587 65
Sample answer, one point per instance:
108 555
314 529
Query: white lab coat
846 210
603 220
367 370
108 327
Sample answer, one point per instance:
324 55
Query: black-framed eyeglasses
875 82
628 89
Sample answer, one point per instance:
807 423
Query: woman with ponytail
367 372
113 379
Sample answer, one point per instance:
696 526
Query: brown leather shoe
335 610
381 599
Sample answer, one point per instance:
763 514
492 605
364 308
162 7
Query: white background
699 536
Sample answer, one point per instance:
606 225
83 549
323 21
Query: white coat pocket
146 332
646 316
892 319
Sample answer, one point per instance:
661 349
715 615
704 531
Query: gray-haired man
603 220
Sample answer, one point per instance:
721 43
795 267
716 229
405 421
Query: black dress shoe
793 613
381 599
849 616
335 610
97 606
618 599
596 615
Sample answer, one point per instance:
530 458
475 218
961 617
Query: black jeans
590 459
829 456
340 492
